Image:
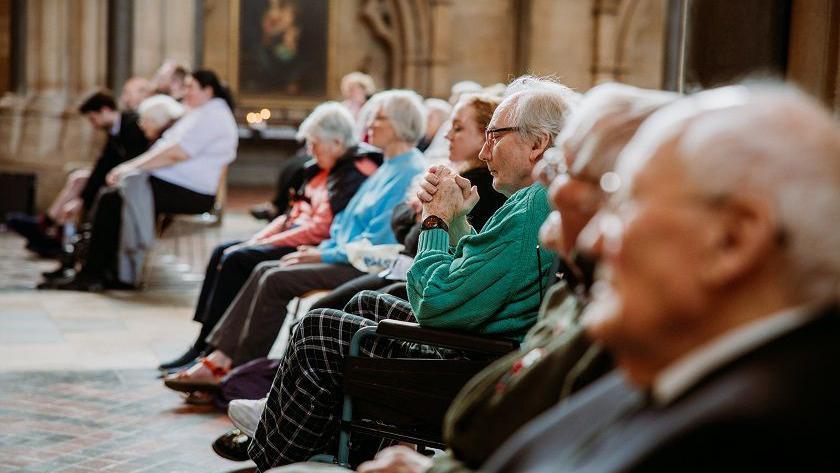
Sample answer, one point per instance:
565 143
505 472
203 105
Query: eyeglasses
491 134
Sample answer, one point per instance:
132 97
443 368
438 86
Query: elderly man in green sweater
489 282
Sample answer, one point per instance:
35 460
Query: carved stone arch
407 29
619 26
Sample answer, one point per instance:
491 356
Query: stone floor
78 389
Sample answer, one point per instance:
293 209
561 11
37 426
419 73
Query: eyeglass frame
489 133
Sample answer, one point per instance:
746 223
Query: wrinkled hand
431 181
470 193
115 176
448 201
397 459
70 210
304 255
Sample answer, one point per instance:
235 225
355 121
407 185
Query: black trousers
225 276
101 261
340 296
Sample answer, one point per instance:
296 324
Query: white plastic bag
370 258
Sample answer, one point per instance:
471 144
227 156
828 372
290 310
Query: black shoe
81 283
49 248
183 360
263 212
233 445
62 272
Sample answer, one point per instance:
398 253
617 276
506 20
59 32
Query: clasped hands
446 194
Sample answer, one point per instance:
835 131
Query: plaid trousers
303 410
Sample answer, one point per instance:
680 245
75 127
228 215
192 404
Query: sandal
182 383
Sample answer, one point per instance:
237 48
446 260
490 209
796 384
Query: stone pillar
163 30
65 60
441 28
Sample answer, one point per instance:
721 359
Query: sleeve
109 158
271 229
314 231
463 291
378 229
196 132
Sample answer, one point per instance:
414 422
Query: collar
689 370
115 128
403 158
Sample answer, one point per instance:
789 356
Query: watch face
433 221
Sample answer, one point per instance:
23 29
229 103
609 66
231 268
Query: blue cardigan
368 214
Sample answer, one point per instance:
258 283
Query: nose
485 154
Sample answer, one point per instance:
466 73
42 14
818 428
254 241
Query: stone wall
422 44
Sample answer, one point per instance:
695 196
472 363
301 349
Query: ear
538 148
739 241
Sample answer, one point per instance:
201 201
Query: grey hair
160 109
604 122
774 142
405 110
329 121
365 81
438 107
538 106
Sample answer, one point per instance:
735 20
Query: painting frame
274 99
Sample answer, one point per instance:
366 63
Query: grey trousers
251 324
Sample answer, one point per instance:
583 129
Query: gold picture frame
279 100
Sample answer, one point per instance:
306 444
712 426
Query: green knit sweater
489 282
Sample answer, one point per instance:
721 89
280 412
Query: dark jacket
775 408
128 143
345 177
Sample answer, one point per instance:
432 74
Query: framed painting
280 51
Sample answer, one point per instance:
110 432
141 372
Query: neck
737 308
396 148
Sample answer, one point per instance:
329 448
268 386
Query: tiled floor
78 389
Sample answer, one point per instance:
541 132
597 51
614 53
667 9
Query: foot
79 283
246 413
205 376
264 211
181 361
233 445
61 273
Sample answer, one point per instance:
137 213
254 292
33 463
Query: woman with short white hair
157 113
251 324
330 181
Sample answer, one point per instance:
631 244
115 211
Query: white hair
605 120
405 110
538 107
772 142
329 121
160 109
438 107
361 79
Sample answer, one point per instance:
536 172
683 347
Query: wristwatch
433 221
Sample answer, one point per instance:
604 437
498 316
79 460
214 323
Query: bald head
135 90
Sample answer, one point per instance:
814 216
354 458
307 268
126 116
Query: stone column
65 59
441 32
163 30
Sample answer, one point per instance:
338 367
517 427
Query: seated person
556 358
135 90
466 136
333 177
125 141
157 114
489 284
251 323
719 298
185 166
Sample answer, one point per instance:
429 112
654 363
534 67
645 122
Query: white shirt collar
115 128
681 375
